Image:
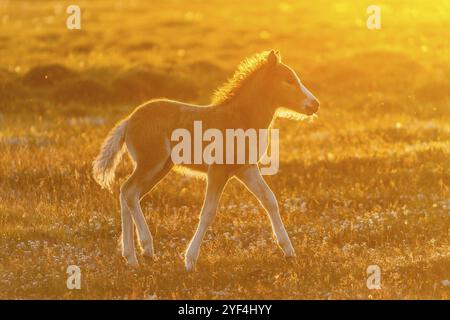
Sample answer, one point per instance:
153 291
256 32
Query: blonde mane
244 71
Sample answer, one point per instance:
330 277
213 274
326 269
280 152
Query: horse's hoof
289 252
147 248
148 251
148 254
290 255
132 261
189 263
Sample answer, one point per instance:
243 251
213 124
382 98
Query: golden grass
365 183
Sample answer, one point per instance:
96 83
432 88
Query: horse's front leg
217 179
253 180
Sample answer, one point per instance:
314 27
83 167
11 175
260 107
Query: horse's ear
273 58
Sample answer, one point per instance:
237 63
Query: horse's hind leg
144 178
128 251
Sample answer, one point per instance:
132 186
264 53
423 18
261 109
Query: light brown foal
260 86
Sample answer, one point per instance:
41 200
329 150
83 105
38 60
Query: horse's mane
244 71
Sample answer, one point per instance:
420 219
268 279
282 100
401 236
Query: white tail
110 154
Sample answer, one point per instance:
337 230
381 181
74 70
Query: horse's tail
110 154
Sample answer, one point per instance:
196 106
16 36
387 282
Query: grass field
366 183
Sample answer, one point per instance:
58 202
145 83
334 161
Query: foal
249 100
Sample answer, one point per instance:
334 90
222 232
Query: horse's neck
254 110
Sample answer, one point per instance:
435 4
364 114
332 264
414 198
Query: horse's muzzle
312 107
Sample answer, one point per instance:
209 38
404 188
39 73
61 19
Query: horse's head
289 92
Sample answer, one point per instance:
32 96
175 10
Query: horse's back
150 125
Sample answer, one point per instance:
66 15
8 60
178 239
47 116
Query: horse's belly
191 170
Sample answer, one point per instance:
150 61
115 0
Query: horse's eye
291 82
